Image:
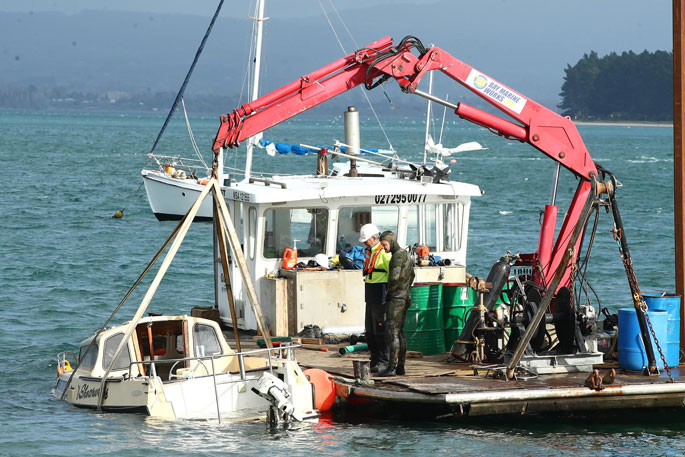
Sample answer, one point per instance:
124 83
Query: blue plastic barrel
670 303
631 351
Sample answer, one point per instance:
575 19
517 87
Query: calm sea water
65 264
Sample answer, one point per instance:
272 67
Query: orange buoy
324 388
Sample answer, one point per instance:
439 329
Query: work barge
515 366
435 387
578 379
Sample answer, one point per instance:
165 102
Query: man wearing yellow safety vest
376 267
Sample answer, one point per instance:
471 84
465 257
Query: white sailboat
175 183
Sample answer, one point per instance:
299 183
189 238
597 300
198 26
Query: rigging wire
120 213
380 124
187 78
192 137
356 45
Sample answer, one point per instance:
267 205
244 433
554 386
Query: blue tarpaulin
286 148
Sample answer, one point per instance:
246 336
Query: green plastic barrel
456 303
423 328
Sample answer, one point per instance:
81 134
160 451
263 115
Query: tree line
20 96
621 87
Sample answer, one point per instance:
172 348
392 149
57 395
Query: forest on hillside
626 86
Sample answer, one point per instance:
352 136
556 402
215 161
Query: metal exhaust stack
352 137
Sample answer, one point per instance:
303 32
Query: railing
285 352
191 166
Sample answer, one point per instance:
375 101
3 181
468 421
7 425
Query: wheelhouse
322 215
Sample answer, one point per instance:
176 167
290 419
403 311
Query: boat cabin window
206 341
351 219
452 225
111 345
426 224
87 359
252 231
421 226
304 228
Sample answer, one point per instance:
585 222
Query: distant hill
140 55
626 86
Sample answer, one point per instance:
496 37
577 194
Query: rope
345 52
187 78
192 137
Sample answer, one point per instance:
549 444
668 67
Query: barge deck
437 387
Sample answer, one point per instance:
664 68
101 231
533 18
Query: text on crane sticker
496 91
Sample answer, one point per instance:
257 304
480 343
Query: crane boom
553 135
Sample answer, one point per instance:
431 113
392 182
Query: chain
658 346
572 279
640 302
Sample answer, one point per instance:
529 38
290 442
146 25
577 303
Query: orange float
324 388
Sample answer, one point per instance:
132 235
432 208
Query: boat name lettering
397 199
241 196
84 391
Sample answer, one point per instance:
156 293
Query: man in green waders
375 282
400 278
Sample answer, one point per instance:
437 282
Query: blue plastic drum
671 304
631 351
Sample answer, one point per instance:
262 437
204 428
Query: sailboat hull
171 198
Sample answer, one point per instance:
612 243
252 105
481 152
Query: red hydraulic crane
553 135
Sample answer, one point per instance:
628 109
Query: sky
523 43
283 8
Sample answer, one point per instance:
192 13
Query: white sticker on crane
496 91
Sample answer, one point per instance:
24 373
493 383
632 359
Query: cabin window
252 227
452 225
422 226
111 345
87 359
206 341
304 228
351 219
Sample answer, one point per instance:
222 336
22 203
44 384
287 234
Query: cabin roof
300 188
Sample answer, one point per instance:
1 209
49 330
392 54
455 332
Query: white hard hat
367 231
322 260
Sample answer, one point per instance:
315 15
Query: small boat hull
171 198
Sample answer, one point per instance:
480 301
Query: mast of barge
678 148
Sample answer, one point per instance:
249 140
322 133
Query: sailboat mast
252 141
428 116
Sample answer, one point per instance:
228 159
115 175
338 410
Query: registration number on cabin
241 196
398 199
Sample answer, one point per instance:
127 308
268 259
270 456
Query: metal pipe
341 154
216 392
553 198
241 366
428 116
569 392
490 396
435 99
352 137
